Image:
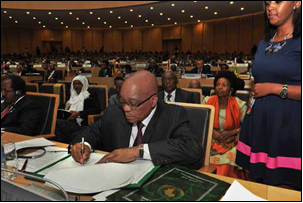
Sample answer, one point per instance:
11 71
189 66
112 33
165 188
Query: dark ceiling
103 18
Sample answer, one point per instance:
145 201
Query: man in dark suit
141 128
201 69
170 91
19 114
105 70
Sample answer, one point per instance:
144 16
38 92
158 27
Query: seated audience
154 68
194 84
170 91
19 114
20 70
80 105
52 75
114 93
230 111
105 70
145 130
199 69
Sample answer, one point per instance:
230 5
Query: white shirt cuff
146 154
90 147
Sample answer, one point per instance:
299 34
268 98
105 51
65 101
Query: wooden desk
264 191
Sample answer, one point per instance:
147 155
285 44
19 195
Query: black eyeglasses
133 106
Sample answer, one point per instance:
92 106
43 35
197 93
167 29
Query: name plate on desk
13 66
61 65
191 76
37 66
87 65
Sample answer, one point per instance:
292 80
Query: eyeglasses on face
6 91
133 106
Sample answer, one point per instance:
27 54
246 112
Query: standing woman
270 145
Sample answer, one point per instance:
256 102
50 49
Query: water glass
11 160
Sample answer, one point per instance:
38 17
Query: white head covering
76 101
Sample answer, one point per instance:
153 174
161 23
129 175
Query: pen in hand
82 150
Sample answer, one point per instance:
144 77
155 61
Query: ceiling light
231 2
99 18
242 8
91 13
191 16
131 10
176 23
34 18
39 22
125 22
70 13
62 23
56 18
152 24
104 23
139 16
199 21
110 26
168 18
44 26
16 21
195 1
27 13
77 18
88 26
10 17
119 17
161 14
49 13
83 23
110 11
183 11
172 4
66 26
151 8
206 7
131 26
215 13
4 11
146 21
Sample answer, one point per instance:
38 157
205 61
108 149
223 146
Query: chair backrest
243 95
201 120
67 88
49 105
32 87
56 88
197 94
101 93
207 90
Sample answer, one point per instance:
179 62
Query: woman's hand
262 89
74 115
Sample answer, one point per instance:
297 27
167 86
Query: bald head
194 84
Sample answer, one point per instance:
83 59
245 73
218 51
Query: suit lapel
151 126
161 96
179 96
124 134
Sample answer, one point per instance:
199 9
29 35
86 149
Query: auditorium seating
56 88
32 87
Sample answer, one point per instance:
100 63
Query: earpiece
18 92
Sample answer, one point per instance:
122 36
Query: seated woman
80 105
229 112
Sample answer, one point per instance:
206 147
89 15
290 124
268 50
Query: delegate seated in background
80 105
171 92
105 70
229 112
19 114
154 68
200 69
141 127
52 75
194 84
113 99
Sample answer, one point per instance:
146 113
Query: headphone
18 92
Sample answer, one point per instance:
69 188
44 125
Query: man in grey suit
170 91
141 128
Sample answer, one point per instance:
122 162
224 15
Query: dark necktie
139 134
168 97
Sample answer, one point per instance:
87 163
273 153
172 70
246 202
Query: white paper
142 168
38 142
12 163
93 178
237 192
102 196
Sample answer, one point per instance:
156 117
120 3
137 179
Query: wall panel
24 37
208 36
186 35
258 28
52 35
108 40
88 39
173 32
3 41
97 40
246 30
117 40
157 34
147 39
232 42
220 36
67 39
77 42
197 37
137 40
13 42
36 40
128 40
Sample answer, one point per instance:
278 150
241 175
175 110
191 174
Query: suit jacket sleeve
90 107
182 147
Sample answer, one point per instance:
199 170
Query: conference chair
49 105
197 94
32 87
67 87
201 120
56 88
207 90
244 95
99 92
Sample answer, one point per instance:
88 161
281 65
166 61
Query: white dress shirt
172 98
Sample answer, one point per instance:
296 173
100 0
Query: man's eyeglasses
133 106
6 91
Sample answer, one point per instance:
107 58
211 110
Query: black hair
173 75
235 83
18 84
118 78
106 62
270 30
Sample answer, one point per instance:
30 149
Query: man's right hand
76 153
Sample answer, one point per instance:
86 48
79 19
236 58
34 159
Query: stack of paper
38 142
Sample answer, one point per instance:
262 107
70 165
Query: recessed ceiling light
168 18
56 18
151 8
44 26
152 24
66 26
172 4
125 22
119 17
139 16
34 18
77 18
110 26
191 16
4 11
88 26
231 2
70 13
131 10
27 12
176 23
39 22
242 8
99 18
83 23
195 1
131 26
91 13
104 23
49 13
215 13
110 11
161 14
62 23
199 21
10 17
183 11
16 21
206 7
146 21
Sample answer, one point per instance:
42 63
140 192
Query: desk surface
264 191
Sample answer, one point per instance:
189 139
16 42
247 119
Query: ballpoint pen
82 149
24 165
